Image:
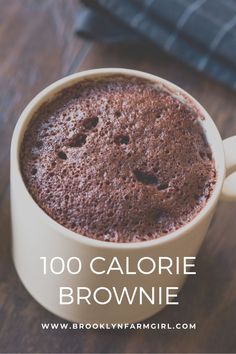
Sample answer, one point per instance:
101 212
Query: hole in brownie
149 179
110 214
117 114
162 186
78 140
62 155
159 114
121 139
90 123
34 171
144 177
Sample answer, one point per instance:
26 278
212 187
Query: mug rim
69 80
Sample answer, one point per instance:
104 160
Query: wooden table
37 46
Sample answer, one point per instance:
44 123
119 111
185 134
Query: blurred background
189 42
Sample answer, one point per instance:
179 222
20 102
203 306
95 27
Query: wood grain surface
38 46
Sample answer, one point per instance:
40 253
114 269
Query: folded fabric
201 33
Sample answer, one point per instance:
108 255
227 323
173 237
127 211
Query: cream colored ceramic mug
36 235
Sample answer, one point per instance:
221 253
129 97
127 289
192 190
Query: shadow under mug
36 235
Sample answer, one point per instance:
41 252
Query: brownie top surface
117 159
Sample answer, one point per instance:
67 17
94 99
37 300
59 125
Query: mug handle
229 187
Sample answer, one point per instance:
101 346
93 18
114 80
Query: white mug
36 235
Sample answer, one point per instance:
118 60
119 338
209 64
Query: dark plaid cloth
201 33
